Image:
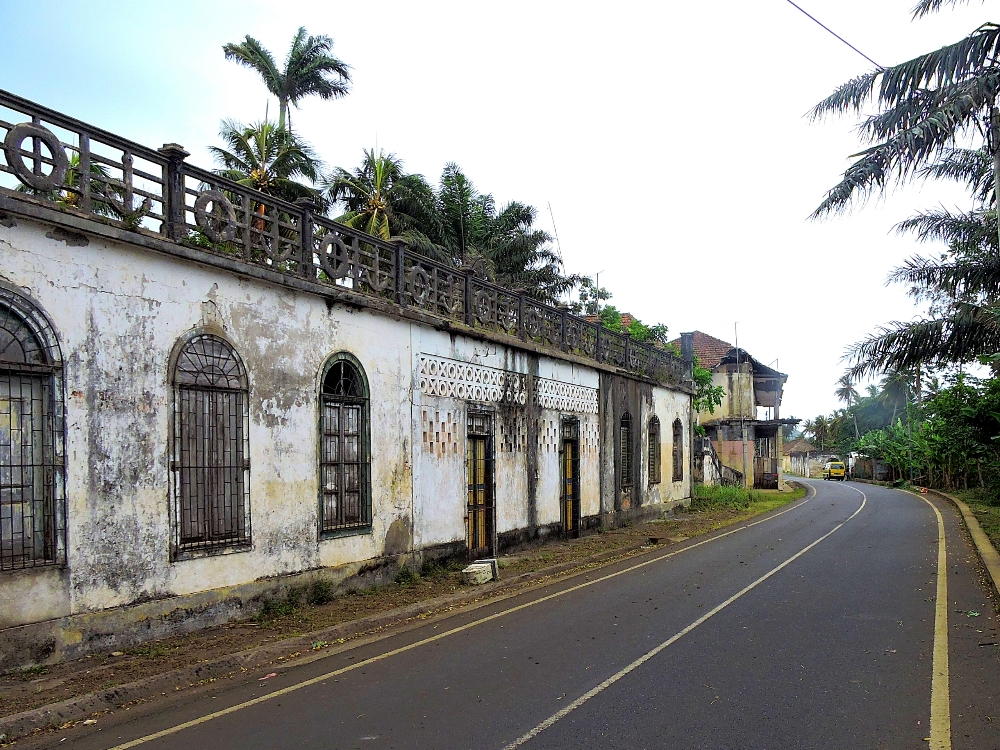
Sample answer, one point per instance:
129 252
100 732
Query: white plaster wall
118 312
440 479
668 406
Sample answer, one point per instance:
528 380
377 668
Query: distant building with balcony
745 429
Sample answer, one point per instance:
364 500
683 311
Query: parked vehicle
834 470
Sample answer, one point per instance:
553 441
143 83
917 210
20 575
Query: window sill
181 554
339 533
45 567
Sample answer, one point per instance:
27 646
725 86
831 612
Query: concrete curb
20 725
984 547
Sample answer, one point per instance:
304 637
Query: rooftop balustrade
88 171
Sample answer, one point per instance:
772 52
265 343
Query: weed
29 672
407 576
370 591
281 606
434 570
320 592
150 650
710 497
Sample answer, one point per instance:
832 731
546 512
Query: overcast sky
669 138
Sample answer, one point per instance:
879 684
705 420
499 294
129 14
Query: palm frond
905 152
972 167
968 232
252 54
967 332
926 7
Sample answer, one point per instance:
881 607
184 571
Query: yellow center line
940 735
431 639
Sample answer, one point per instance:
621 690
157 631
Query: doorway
480 504
570 513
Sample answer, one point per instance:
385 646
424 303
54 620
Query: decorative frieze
558 396
448 378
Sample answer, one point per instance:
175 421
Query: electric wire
834 33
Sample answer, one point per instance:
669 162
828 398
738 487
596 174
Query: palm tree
897 390
454 223
819 429
500 244
847 393
268 159
378 197
963 289
925 108
310 69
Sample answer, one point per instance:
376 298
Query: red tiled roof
708 349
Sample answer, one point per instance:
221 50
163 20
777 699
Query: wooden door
571 487
479 512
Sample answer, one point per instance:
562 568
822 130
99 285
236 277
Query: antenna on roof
556 233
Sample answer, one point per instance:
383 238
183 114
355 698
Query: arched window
211 450
32 487
654 450
678 451
627 455
345 499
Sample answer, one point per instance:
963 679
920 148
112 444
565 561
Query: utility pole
739 390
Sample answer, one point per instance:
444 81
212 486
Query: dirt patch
307 611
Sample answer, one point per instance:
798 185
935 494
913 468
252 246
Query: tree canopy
310 69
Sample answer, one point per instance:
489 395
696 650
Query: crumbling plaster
119 312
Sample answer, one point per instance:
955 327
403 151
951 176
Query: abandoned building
206 393
799 457
745 429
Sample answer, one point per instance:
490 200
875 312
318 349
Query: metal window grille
627 456
678 451
211 465
32 485
654 450
346 500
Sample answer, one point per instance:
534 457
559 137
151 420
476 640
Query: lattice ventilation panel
440 431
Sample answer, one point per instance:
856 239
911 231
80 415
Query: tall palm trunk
995 144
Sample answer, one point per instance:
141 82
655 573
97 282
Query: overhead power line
834 33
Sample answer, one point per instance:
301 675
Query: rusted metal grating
211 466
32 489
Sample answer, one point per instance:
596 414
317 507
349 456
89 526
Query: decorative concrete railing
96 173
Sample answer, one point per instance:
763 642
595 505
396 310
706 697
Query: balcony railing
96 173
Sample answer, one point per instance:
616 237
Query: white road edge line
416 644
673 639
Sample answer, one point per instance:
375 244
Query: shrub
711 497
281 606
320 592
406 576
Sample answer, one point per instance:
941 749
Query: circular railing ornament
337 260
219 224
15 158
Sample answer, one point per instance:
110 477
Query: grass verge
987 514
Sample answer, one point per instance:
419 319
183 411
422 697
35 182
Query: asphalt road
811 628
